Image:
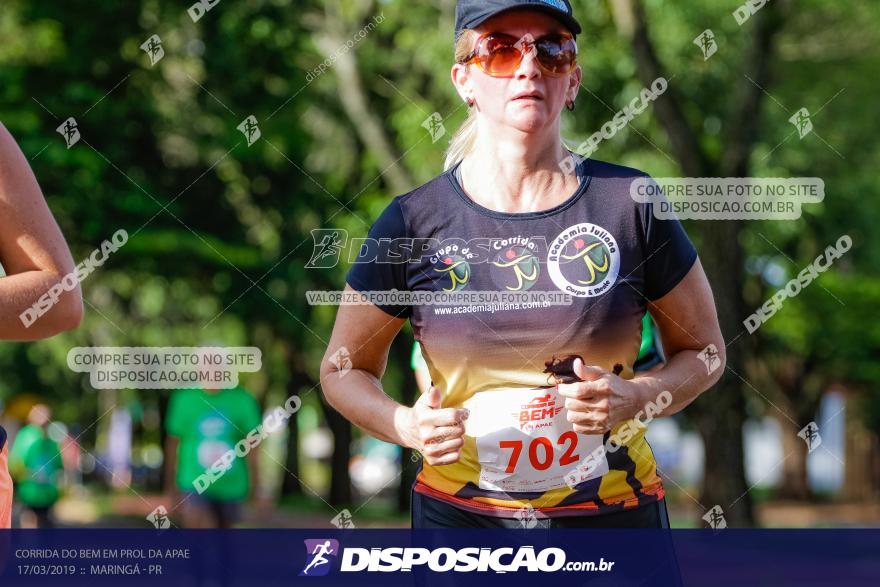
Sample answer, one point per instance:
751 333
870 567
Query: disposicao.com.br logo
468 559
317 560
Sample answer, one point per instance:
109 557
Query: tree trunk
802 399
794 468
401 351
340 480
874 466
290 484
719 413
798 399
164 399
860 456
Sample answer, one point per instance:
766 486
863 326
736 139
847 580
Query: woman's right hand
436 432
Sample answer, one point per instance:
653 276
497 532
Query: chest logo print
584 260
522 263
457 268
584 253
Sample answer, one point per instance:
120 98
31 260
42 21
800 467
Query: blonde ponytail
462 142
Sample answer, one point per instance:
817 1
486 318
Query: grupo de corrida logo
454 272
515 268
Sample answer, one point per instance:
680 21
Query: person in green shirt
203 427
35 463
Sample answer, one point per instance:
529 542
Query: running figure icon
318 553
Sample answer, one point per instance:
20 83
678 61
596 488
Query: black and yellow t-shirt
600 246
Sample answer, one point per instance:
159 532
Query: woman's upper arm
363 334
366 331
30 239
686 316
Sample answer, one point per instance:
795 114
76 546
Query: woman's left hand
599 402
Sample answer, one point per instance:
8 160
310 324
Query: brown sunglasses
500 54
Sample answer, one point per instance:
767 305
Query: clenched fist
437 433
598 402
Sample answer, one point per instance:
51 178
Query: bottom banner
389 558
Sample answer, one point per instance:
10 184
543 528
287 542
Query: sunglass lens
557 55
501 58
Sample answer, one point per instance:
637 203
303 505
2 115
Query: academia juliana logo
584 260
318 551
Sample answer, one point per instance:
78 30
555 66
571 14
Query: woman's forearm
34 255
359 397
684 376
20 294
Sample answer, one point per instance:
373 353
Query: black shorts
223 513
428 512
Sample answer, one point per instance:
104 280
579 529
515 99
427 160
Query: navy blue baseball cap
471 13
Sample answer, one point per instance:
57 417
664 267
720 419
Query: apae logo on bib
584 260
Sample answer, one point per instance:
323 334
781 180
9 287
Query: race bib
525 443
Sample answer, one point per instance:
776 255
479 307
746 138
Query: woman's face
501 99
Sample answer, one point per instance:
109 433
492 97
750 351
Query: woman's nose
528 67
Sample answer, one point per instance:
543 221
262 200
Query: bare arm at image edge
33 253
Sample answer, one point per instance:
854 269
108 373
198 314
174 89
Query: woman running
528 401
33 259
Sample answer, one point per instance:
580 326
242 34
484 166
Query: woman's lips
528 96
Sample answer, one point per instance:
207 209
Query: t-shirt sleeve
669 256
380 266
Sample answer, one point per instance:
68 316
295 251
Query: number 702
544 445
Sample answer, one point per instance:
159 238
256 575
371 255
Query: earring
470 102
570 106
